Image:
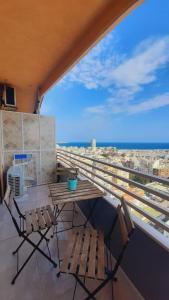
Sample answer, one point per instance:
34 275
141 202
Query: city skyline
119 91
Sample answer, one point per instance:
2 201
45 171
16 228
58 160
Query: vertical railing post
93 169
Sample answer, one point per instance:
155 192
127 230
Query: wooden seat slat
34 220
47 218
53 219
40 218
101 256
28 222
84 255
92 255
76 254
69 253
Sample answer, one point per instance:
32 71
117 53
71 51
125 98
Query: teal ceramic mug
72 184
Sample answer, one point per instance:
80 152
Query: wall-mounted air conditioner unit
15 180
8 94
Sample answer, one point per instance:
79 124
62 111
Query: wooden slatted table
85 191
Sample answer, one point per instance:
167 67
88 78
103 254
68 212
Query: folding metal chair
88 253
36 220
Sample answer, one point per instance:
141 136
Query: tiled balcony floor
38 280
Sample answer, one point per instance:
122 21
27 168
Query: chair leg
74 292
22 267
73 212
54 226
85 288
46 239
58 251
48 250
112 289
36 247
58 212
58 274
20 245
98 288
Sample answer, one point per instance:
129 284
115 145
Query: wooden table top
85 191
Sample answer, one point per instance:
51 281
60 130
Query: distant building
129 164
160 169
93 144
161 172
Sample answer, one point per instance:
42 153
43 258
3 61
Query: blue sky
119 92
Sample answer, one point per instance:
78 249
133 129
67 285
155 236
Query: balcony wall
28 133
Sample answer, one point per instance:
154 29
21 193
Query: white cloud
141 67
104 67
92 69
99 109
125 80
122 76
130 109
154 103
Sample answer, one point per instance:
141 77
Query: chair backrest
126 225
7 201
7 196
18 209
127 216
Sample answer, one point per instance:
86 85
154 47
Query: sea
121 145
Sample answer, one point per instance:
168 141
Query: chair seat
85 254
39 218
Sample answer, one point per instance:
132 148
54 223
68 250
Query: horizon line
113 142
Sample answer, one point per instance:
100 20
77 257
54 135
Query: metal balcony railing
106 176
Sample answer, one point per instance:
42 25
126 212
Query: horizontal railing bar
142 212
139 185
97 183
151 177
148 216
150 203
